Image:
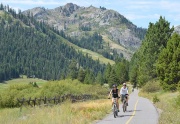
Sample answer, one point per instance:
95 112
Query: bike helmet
114 85
124 84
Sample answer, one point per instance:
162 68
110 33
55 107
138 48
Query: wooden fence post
55 100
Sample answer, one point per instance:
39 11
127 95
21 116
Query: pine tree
155 40
81 75
99 78
168 64
121 69
89 77
73 70
112 78
107 72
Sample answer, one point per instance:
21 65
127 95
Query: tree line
113 74
158 56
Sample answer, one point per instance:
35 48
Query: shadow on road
128 111
120 116
133 110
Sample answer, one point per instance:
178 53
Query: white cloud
34 2
57 2
170 6
133 16
16 8
174 17
167 5
140 4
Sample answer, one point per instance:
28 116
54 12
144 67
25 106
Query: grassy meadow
65 113
11 91
23 80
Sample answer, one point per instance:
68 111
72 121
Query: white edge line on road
133 113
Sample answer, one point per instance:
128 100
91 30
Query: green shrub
34 84
55 88
151 86
169 87
155 99
8 97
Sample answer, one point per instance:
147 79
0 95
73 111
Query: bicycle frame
115 109
124 104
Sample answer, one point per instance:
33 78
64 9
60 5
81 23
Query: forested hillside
33 48
95 43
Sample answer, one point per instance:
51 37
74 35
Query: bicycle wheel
124 106
114 111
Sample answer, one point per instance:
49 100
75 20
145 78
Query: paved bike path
139 111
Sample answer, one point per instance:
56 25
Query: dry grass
97 56
170 114
67 113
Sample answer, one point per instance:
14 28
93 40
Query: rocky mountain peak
71 6
78 21
37 12
68 9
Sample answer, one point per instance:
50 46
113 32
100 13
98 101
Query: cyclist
133 89
124 93
115 94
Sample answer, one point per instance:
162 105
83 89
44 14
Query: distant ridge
77 21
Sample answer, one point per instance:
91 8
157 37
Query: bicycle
115 109
124 103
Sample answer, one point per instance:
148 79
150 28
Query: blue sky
140 12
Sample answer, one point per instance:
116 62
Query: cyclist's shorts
115 97
122 97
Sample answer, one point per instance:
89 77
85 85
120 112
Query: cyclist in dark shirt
115 94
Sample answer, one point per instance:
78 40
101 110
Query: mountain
177 29
117 32
30 47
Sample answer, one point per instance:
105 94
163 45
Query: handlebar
117 97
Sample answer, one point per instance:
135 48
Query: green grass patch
23 80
